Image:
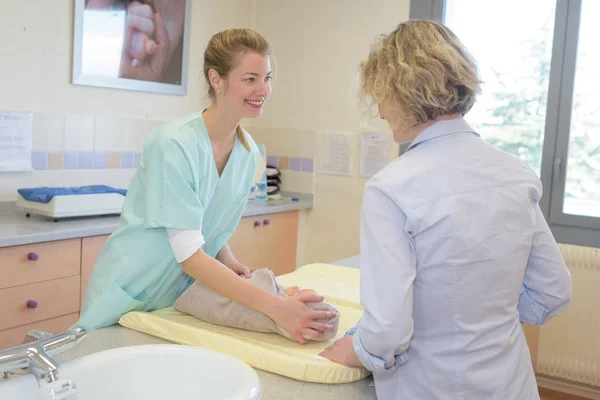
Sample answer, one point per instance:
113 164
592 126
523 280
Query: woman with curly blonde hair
455 251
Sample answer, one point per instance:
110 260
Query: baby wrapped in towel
211 307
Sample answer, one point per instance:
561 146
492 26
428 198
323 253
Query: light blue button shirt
455 253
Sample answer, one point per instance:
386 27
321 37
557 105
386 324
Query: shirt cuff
374 363
185 243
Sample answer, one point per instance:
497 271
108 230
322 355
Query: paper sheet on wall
374 153
15 141
335 153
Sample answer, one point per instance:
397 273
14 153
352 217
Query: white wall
37 47
318 46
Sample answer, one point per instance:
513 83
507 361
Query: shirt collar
442 128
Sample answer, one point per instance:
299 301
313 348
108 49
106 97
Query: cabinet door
279 241
90 248
267 241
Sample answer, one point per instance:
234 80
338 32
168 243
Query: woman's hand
297 319
240 269
342 352
226 258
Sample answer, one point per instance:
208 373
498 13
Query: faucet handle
38 334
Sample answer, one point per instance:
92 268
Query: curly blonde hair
422 71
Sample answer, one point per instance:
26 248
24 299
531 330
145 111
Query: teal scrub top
176 186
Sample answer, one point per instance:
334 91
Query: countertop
17 229
275 387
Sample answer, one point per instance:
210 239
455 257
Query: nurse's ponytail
241 137
221 53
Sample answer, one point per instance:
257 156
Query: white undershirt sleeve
185 243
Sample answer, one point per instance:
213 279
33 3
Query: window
514 65
582 186
541 96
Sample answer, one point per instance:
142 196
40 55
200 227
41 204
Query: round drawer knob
32 304
266 222
256 223
32 256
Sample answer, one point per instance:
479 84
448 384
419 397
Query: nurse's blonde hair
420 71
222 52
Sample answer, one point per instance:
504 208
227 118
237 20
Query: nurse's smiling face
247 85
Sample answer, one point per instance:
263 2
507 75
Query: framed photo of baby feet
140 45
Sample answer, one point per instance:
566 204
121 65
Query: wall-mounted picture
132 44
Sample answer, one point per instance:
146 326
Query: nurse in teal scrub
186 200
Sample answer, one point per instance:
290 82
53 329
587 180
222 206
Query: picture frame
140 45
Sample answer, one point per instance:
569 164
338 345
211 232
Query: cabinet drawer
21 265
16 336
51 299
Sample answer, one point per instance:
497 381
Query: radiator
569 346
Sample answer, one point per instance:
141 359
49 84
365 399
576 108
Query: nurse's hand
298 319
342 352
241 269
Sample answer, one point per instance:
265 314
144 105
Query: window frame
571 229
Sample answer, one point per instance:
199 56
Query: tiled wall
293 152
42 160
80 149
77 141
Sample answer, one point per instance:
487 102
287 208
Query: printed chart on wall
374 153
15 141
335 153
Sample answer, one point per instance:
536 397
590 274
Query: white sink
147 372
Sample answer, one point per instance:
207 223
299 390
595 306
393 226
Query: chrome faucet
37 355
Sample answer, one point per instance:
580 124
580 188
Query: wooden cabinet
42 285
39 287
267 241
90 249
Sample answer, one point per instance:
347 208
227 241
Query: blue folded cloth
45 194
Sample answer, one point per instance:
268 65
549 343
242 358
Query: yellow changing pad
265 351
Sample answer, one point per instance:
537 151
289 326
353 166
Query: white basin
148 372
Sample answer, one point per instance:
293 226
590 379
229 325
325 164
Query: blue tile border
85 160
39 160
296 164
307 165
71 160
126 160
